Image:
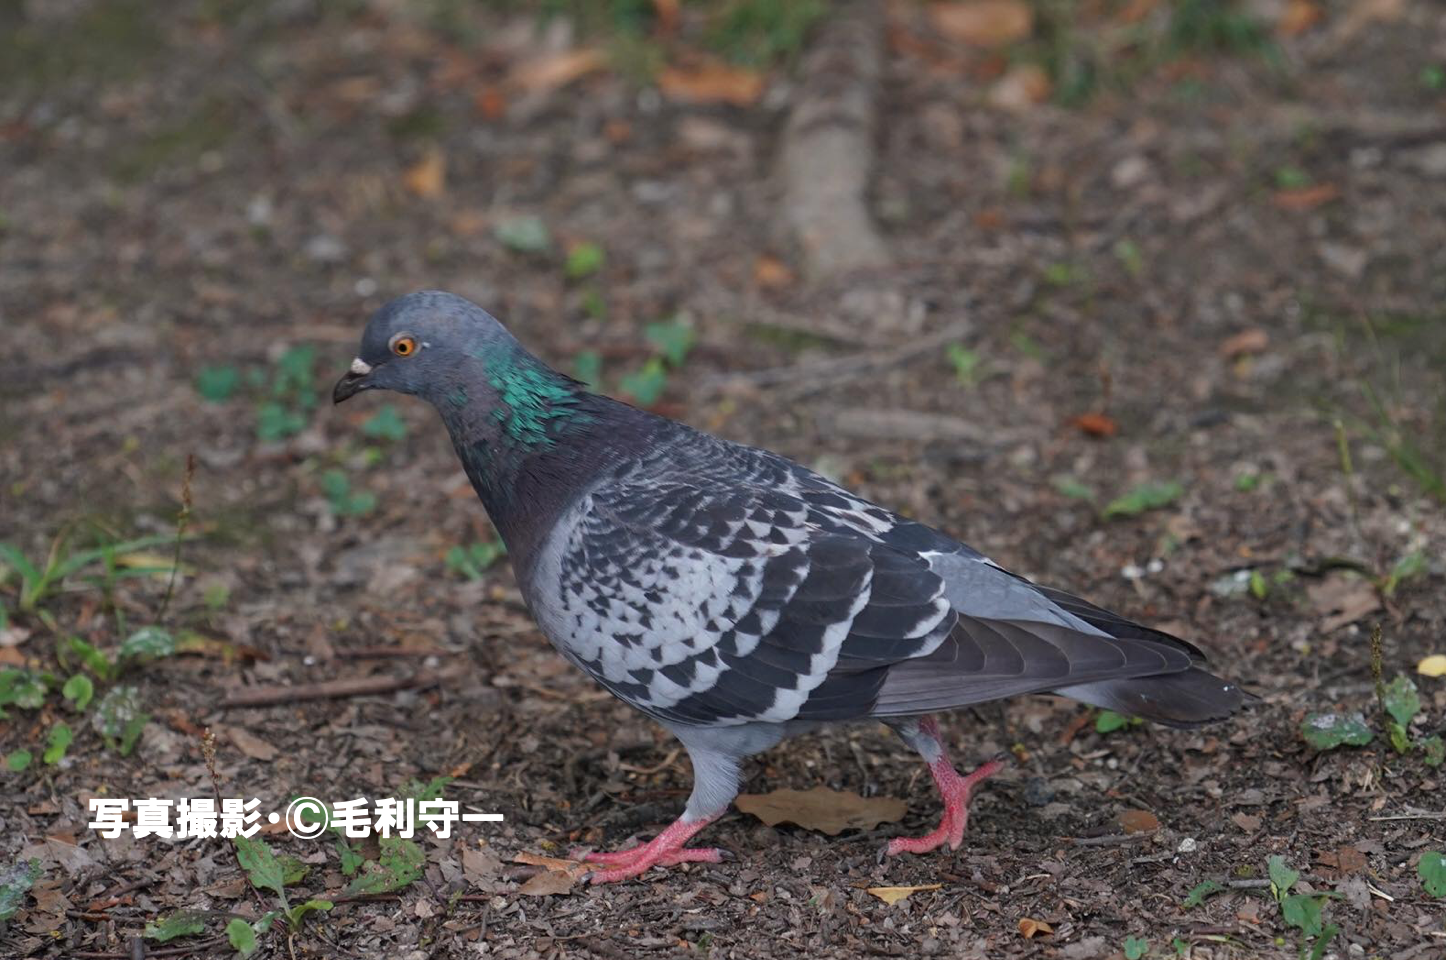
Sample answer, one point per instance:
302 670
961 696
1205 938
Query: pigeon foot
664 850
955 790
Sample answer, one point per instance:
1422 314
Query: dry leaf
1028 927
1096 424
1298 17
1342 600
892 895
573 868
827 811
480 863
1432 666
771 272
1306 198
983 23
548 883
1345 859
557 70
490 102
712 83
1025 85
1253 340
428 176
1139 821
250 744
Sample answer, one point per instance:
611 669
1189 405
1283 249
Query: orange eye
403 345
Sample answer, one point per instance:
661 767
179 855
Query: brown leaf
1306 198
1096 424
480 863
556 70
1029 927
547 883
428 177
772 273
1342 600
712 82
892 895
1345 859
573 868
1248 822
1025 85
1139 821
491 102
1253 340
1298 17
250 744
827 811
983 23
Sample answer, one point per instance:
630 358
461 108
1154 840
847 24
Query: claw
664 850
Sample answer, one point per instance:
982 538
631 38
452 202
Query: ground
1226 274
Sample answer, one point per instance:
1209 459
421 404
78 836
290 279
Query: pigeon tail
1185 699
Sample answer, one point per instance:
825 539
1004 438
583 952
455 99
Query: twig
182 518
194 948
330 689
802 379
1420 815
1113 839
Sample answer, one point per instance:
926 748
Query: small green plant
119 719
672 339
1107 721
473 560
1147 496
1292 178
1433 77
346 502
15 882
217 384
1201 892
968 364
289 394
1135 947
583 260
1128 253
268 872
587 367
1330 730
58 742
99 566
1431 868
386 424
1404 570
526 235
182 923
1303 911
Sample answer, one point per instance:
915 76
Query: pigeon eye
403 345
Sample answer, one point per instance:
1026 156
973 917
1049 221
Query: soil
1231 280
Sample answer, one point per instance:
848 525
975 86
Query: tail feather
1182 699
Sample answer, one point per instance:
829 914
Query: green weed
473 560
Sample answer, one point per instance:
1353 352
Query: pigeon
737 597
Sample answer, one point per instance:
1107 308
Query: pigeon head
426 344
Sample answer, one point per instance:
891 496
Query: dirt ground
1232 270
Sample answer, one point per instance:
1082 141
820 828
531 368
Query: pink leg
953 788
664 850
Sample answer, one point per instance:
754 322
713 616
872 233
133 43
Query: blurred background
1141 297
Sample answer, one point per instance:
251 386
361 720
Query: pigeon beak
353 382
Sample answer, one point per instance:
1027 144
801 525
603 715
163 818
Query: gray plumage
738 597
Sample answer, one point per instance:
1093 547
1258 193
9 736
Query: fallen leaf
1342 600
1432 666
1029 927
13 636
772 273
480 863
250 744
1139 821
1345 859
1096 424
428 176
573 868
11 657
712 83
983 23
1254 340
557 70
1025 85
548 883
1246 821
491 102
892 895
1305 198
827 811
1298 17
